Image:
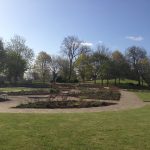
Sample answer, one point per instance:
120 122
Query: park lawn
17 89
144 95
122 130
125 81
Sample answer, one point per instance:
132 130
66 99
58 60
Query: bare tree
71 49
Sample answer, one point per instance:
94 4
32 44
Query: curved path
128 101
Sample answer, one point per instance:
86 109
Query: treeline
77 62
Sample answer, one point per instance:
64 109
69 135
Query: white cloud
100 42
87 44
135 38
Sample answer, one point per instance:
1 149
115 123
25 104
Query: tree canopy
76 62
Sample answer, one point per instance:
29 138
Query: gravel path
128 101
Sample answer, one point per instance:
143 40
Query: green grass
123 130
17 89
144 95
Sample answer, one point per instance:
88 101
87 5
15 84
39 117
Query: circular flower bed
65 104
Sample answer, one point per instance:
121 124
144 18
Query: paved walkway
128 101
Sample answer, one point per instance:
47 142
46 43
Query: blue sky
44 23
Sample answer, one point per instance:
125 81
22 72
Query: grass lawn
17 89
144 95
123 130
112 81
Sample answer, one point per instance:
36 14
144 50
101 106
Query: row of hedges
34 92
66 85
132 86
26 84
88 85
28 93
64 104
99 95
103 94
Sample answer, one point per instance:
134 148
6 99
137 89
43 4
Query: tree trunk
119 80
43 78
142 82
94 80
70 70
107 81
102 82
139 81
83 80
115 81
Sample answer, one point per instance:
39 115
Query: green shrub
53 91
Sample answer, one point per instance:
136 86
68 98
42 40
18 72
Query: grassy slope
16 89
144 95
124 130
121 81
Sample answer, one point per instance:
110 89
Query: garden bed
65 104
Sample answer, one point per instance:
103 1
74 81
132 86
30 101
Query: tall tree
144 68
134 55
84 67
63 71
18 44
121 67
42 65
15 66
18 53
71 49
98 59
54 67
2 56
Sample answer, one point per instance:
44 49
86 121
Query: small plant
53 91
52 97
64 97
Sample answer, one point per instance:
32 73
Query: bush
29 84
63 80
88 85
3 99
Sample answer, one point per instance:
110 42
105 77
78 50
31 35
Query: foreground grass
124 130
